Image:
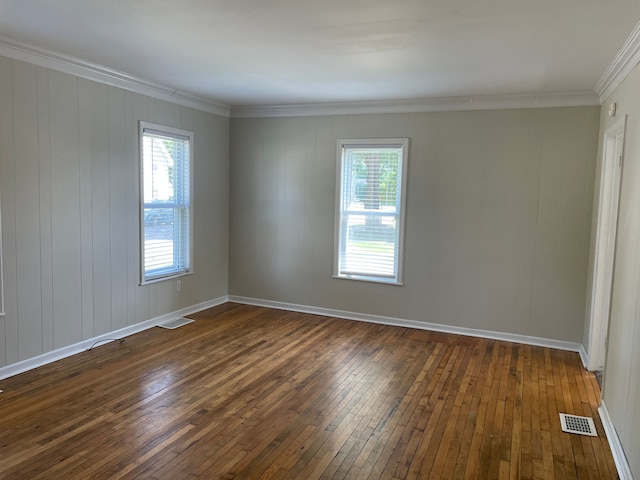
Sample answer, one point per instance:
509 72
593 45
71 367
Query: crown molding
418 105
100 73
108 76
621 65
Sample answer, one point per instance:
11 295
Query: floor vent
579 425
178 322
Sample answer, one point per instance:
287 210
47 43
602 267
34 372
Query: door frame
605 241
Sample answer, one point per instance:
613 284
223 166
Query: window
370 209
165 206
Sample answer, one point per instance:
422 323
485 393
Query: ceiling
277 52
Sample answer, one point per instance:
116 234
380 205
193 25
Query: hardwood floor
252 393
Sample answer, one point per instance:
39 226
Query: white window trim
383 143
172 131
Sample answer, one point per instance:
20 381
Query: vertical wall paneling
420 191
549 284
293 205
65 207
133 217
243 249
462 215
492 203
576 201
69 198
27 205
508 227
210 178
6 153
89 132
530 196
46 221
142 299
100 211
7 189
268 196
117 207
305 245
621 390
212 225
323 189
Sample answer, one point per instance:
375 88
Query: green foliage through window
370 220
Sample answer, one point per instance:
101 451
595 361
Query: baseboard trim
60 353
584 356
622 465
400 322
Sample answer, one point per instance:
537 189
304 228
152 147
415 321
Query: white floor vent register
579 425
178 322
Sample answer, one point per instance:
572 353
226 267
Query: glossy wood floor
253 393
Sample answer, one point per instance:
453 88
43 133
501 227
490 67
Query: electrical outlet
178 285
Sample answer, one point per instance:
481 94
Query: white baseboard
584 356
64 352
60 353
622 465
400 322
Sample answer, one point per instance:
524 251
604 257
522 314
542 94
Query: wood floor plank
254 393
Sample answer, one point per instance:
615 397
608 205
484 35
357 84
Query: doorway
606 229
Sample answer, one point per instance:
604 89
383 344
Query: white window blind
370 209
165 202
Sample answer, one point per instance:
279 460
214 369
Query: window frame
345 143
180 134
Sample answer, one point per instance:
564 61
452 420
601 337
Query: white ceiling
271 52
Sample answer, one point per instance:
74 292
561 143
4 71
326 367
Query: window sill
362 278
162 279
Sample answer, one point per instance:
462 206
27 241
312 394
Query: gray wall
498 216
621 390
69 185
498 213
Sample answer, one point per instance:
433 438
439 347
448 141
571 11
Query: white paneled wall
497 228
621 390
70 222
